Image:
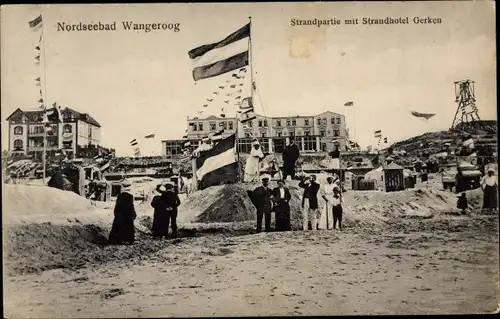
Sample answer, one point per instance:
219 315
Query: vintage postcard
249 159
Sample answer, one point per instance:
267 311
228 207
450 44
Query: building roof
81 116
393 166
85 117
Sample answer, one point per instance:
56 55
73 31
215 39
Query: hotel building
317 133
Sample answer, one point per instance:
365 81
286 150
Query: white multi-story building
317 133
77 132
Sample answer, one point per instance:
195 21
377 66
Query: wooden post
194 180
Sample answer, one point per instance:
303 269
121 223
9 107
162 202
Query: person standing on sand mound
123 225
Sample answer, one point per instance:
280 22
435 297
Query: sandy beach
444 263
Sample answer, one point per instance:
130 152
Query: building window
322 133
250 123
260 123
324 121
309 143
223 125
279 145
90 132
200 126
278 123
323 147
333 120
67 128
263 134
307 133
247 134
18 130
336 133
287 122
195 127
339 120
279 134
294 122
245 145
18 145
319 121
264 144
306 122
265 123
213 126
231 125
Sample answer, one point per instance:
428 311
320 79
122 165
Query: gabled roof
85 117
81 116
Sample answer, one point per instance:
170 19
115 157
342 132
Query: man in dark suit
291 154
311 189
261 198
281 199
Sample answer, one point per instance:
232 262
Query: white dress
327 207
252 165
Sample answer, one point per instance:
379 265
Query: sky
135 83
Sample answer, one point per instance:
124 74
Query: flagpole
45 101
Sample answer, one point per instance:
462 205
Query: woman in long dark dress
281 198
489 184
123 225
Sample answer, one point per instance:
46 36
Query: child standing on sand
337 210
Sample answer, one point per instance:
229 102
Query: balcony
40 148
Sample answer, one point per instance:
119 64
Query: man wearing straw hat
123 224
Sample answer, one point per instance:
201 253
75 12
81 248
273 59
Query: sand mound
30 203
232 205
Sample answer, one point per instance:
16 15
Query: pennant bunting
247 116
350 103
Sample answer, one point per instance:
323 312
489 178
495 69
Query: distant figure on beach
291 154
252 165
123 225
337 210
281 206
261 198
310 214
489 185
462 203
165 211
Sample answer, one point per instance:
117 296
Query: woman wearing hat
489 185
252 164
123 225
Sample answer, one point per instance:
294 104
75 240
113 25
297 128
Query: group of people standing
165 205
277 201
290 156
331 194
267 201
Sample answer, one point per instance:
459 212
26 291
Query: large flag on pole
218 165
217 58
